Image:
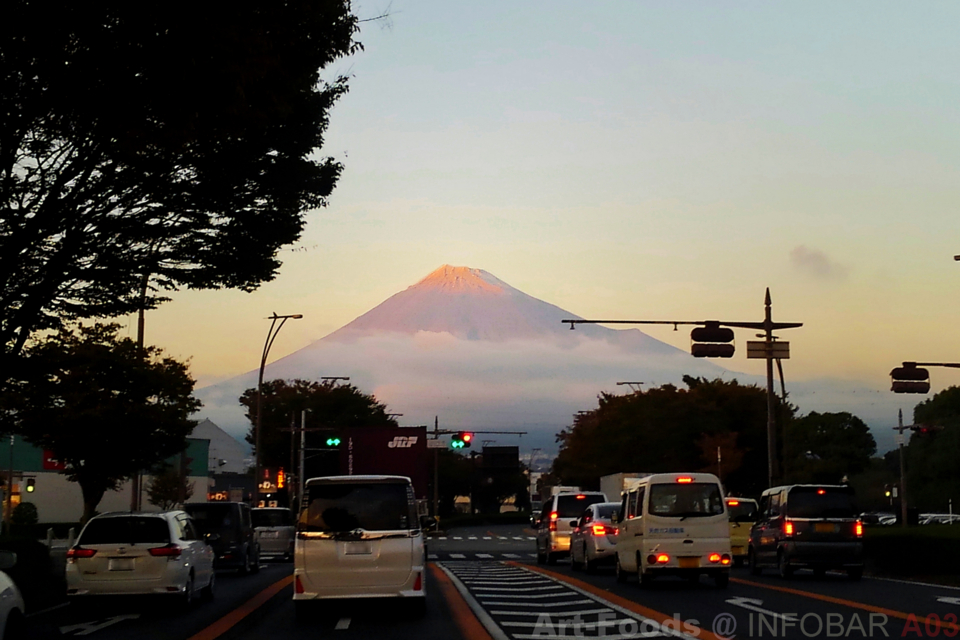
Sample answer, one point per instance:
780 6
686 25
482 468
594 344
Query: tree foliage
168 487
330 405
101 405
826 447
933 475
173 143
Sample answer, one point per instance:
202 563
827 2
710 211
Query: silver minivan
359 537
274 527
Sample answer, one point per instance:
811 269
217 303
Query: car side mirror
211 537
428 522
7 560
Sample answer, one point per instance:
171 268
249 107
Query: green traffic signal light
333 442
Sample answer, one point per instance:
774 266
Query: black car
807 526
237 546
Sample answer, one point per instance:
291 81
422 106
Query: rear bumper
559 542
270 547
125 587
824 554
313 591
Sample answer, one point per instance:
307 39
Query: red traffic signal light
712 341
467 437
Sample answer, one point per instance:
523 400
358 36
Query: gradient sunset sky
644 160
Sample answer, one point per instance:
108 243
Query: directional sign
436 444
764 350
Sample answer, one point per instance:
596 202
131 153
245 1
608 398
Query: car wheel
590 566
819 573
755 569
245 568
783 564
15 627
302 611
207 593
541 557
551 558
721 580
621 574
855 573
186 600
256 563
642 580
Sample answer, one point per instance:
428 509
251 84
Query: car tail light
684 480
662 558
297 585
599 530
169 551
714 558
581 497
858 529
418 585
733 503
787 528
725 559
78 552
553 520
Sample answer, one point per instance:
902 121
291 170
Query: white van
359 537
674 524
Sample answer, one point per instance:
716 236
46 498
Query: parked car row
681 525
174 553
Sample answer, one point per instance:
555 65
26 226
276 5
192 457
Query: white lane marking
538 605
947 600
485 556
511 555
524 590
442 538
472 538
585 612
532 555
457 538
503 582
584 625
527 596
487 538
344 623
521 538
431 556
96 625
458 556
752 604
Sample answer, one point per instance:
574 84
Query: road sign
436 444
777 350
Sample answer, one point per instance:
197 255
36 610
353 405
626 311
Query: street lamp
271 336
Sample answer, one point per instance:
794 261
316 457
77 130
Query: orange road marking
228 621
629 605
468 624
846 603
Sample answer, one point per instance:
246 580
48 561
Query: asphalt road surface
484 583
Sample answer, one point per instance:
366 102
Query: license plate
120 564
737 551
357 548
689 563
825 527
269 534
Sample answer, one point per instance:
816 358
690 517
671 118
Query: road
484 583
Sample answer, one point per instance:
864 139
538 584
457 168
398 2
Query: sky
637 160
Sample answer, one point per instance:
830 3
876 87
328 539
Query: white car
11 602
593 540
359 537
141 553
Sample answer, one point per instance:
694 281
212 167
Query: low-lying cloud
816 263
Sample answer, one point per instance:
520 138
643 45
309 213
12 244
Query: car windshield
572 506
821 502
742 511
686 500
272 518
125 530
375 506
212 518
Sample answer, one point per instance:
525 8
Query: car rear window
741 511
572 506
821 502
686 500
212 518
607 512
272 518
125 530
340 506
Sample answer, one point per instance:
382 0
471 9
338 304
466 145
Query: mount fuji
465 346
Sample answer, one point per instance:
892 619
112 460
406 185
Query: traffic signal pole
903 475
769 349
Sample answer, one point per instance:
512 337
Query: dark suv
807 526
237 546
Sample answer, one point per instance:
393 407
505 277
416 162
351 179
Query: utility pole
712 340
9 510
903 476
301 471
436 469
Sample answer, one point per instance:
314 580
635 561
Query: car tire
207 593
186 599
819 573
15 629
620 573
855 573
541 557
642 580
551 558
245 567
590 566
302 611
256 563
783 565
574 565
419 608
755 569
721 580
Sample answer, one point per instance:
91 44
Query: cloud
817 264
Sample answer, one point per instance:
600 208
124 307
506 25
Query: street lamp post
271 336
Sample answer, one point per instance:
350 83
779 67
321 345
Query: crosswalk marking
487 538
458 556
432 556
485 556
511 555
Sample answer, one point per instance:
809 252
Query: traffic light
925 430
333 441
461 440
910 379
712 341
31 485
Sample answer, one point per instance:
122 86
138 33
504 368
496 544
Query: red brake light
418 585
820 492
787 528
553 520
297 585
684 480
77 552
599 530
663 558
714 557
554 515
581 497
858 529
170 551
733 503
725 559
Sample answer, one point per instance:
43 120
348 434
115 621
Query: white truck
616 483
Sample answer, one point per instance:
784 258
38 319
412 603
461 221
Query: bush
25 513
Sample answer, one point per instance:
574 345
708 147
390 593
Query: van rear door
358 534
